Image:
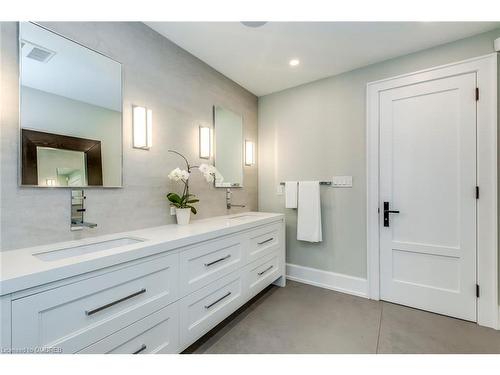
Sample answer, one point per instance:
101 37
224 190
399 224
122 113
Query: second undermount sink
73 251
242 216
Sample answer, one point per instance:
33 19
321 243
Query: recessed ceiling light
294 62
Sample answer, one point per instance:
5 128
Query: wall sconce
249 153
205 142
142 127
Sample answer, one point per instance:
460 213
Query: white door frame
485 68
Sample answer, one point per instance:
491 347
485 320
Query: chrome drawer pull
217 261
91 312
220 299
266 241
263 272
142 348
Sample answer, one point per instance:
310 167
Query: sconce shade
249 153
142 127
205 140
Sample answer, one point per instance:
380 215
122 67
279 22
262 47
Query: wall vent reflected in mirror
71 112
37 53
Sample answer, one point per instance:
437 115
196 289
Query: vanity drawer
202 264
261 273
263 241
76 315
205 308
156 333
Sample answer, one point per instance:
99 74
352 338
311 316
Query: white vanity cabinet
76 315
205 308
159 303
206 262
155 333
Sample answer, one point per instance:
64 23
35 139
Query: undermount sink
243 216
69 252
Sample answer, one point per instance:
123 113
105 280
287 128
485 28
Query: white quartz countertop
20 269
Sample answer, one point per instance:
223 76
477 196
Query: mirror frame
226 185
20 132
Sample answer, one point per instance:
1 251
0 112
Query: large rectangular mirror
228 139
70 112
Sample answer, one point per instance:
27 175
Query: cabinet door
261 273
73 316
205 308
5 324
264 240
156 333
209 261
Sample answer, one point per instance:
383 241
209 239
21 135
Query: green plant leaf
193 201
193 210
174 198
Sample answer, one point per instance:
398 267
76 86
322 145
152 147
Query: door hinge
477 290
477 192
477 94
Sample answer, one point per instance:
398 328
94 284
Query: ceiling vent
35 52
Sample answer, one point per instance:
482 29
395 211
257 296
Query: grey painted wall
316 131
179 88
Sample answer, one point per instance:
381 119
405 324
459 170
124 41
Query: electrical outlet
342 181
172 210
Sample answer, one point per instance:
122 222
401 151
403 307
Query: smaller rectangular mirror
228 137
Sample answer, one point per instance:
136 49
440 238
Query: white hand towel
309 212
291 194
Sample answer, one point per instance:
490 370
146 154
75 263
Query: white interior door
428 174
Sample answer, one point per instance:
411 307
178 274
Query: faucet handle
77 220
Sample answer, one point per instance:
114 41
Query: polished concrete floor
305 319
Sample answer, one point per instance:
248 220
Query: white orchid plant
186 200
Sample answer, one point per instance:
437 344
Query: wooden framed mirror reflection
77 161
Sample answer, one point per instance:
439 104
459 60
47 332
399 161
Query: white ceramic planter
183 215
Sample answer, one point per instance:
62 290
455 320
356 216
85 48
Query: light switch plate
342 181
172 211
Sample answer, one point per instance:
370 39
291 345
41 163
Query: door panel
428 173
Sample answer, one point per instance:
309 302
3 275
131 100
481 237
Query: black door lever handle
387 212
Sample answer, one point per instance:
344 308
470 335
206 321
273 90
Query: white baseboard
328 280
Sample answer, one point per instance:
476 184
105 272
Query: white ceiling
257 58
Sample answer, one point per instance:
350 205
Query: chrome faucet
229 205
85 224
78 210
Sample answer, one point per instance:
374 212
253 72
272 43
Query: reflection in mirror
228 147
71 112
69 167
